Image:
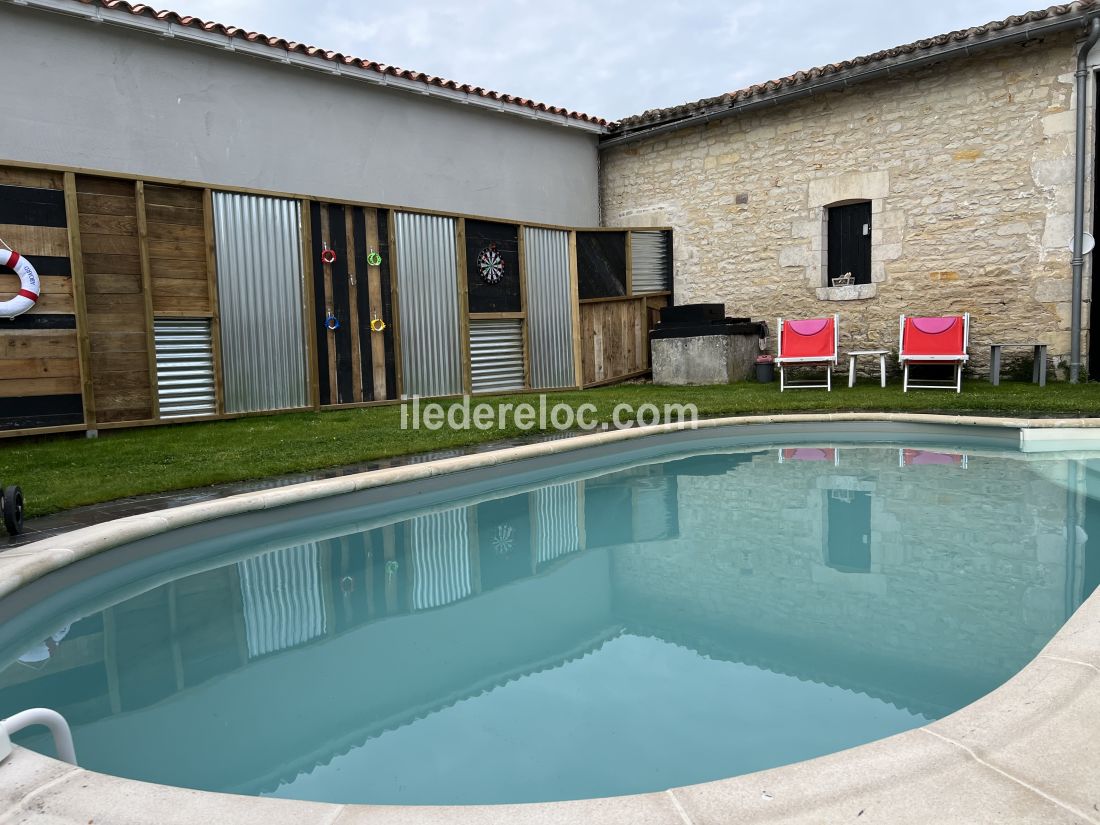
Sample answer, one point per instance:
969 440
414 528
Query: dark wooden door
850 241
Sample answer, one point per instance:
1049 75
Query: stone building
959 151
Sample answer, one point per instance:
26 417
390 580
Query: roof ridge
236 32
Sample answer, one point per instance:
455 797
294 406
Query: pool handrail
51 719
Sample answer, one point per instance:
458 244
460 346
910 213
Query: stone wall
969 169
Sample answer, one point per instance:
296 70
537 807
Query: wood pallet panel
31 178
45 343
180 268
105 204
177 243
106 264
40 384
176 232
178 197
112 284
37 367
91 224
36 241
45 385
115 299
177 215
613 339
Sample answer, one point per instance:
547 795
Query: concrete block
704 359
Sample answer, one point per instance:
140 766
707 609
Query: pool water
630 630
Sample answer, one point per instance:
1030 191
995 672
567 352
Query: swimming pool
628 621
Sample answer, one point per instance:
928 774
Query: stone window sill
855 292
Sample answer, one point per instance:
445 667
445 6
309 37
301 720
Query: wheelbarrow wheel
12 505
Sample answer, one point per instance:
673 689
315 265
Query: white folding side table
852 356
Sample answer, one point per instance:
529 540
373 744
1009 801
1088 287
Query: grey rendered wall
101 97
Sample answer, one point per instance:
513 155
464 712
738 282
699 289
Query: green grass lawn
60 472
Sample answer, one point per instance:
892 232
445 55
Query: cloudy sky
605 57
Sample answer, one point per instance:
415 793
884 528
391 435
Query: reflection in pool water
646 628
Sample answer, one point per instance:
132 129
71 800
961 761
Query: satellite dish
1088 243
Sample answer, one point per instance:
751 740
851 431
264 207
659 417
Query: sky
609 58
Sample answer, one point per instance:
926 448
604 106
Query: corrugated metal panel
260 300
650 264
282 600
557 518
185 367
496 355
440 557
549 308
427 292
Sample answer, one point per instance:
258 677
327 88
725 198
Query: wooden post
212 288
80 307
309 305
463 305
374 299
574 285
147 292
353 308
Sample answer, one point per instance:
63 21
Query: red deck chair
808 342
937 340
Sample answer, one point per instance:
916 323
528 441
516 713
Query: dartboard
490 266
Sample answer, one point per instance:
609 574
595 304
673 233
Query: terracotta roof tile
189 21
728 99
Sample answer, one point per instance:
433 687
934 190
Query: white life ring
30 285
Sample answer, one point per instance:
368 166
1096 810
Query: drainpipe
1078 262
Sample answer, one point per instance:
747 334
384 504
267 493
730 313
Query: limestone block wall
968 166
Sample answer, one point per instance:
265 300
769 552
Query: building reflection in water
915 579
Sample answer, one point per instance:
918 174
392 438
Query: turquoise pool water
624 630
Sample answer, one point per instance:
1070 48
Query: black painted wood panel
601 264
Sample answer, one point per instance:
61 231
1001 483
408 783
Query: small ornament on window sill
847 279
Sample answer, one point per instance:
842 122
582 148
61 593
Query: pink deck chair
829 454
908 457
937 340
807 342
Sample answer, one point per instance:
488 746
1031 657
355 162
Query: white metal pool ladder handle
59 728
